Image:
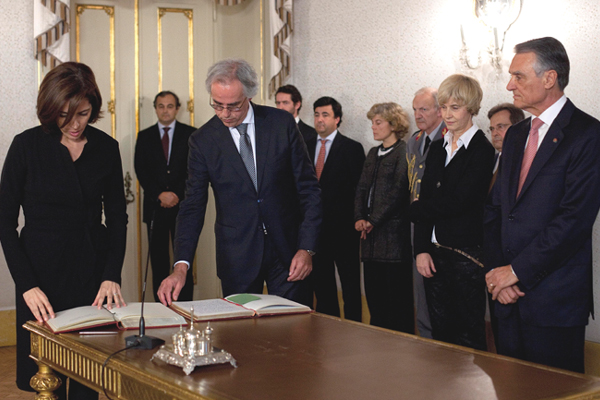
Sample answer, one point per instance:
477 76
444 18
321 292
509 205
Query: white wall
18 86
363 52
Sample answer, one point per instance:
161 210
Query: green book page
243 298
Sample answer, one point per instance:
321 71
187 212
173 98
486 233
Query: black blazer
452 197
546 233
338 182
154 174
307 131
288 201
65 247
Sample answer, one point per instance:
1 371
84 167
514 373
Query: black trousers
389 291
456 298
275 274
341 251
561 347
163 232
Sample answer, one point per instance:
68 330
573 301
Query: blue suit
546 233
287 204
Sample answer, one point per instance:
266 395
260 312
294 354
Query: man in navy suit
538 223
266 192
338 172
161 153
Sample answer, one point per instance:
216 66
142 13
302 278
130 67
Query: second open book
238 306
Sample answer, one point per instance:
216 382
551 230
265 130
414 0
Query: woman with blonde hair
448 218
381 205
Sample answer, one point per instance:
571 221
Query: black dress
65 247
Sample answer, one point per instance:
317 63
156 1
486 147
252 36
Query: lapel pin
555 140
438 184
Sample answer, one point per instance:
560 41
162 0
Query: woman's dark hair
71 83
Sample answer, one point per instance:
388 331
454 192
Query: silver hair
432 91
230 69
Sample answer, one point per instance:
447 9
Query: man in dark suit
288 98
266 193
161 154
338 161
538 223
428 117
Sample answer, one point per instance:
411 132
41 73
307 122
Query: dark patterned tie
246 152
165 142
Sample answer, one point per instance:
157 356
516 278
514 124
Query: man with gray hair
428 118
266 192
539 217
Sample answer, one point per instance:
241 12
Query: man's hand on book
38 304
111 291
171 286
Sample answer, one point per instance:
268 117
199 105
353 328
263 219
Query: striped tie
246 153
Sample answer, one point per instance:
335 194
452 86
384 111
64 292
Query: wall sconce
495 17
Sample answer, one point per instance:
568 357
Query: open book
155 316
238 306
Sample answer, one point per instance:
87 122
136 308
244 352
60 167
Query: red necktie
165 142
321 158
530 151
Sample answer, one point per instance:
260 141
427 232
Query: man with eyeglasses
502 117
161 167
266 192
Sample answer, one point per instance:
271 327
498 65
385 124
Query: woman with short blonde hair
448 218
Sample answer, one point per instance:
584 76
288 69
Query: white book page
271 303
155 314
204 309
79 316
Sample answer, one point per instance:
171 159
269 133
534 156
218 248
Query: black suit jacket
546 233
307 131
288 201
65 247
452 197
154 174
338 182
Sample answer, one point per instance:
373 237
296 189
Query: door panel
176 43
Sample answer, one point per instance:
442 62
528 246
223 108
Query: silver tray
217 356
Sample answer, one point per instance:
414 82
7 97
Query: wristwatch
310 252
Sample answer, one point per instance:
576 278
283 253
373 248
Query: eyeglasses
220 107
499 127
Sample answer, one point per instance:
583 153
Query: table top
312 356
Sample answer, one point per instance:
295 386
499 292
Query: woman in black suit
381 207
449 218
66 175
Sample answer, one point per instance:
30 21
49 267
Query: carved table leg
45 382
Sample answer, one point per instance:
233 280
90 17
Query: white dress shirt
329 141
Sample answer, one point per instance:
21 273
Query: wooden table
308 356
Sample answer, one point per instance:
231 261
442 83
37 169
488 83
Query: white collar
550 113
464 139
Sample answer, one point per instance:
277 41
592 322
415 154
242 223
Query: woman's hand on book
38 304
111 291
